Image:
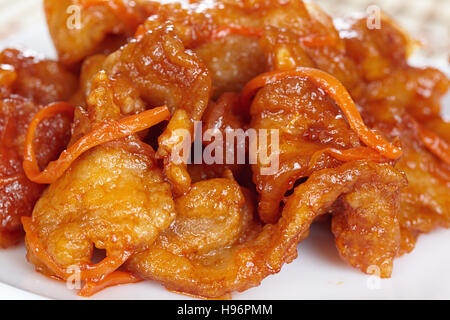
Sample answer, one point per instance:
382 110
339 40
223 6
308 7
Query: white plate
318 273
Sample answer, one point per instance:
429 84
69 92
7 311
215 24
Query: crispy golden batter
259 251
113 198
316 44
83 27
154 70
165 73
43 81
232 60
366 226
162 71
393 97
308 120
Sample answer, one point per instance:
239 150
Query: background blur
427 20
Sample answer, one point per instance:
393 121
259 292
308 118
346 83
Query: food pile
88 142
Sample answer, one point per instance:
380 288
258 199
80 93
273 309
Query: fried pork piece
203 266
284 51
153 70
317 46
230 37
89 69
26 83
308 121
224 34
42 81
398 100
113 198
232 61
381 56
80 28
162 72
424 203
366 226
156 70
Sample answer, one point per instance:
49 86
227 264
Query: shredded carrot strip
87 272
338 92
309 41
353 154
116 278
104 267
434 143
30 164
105 132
